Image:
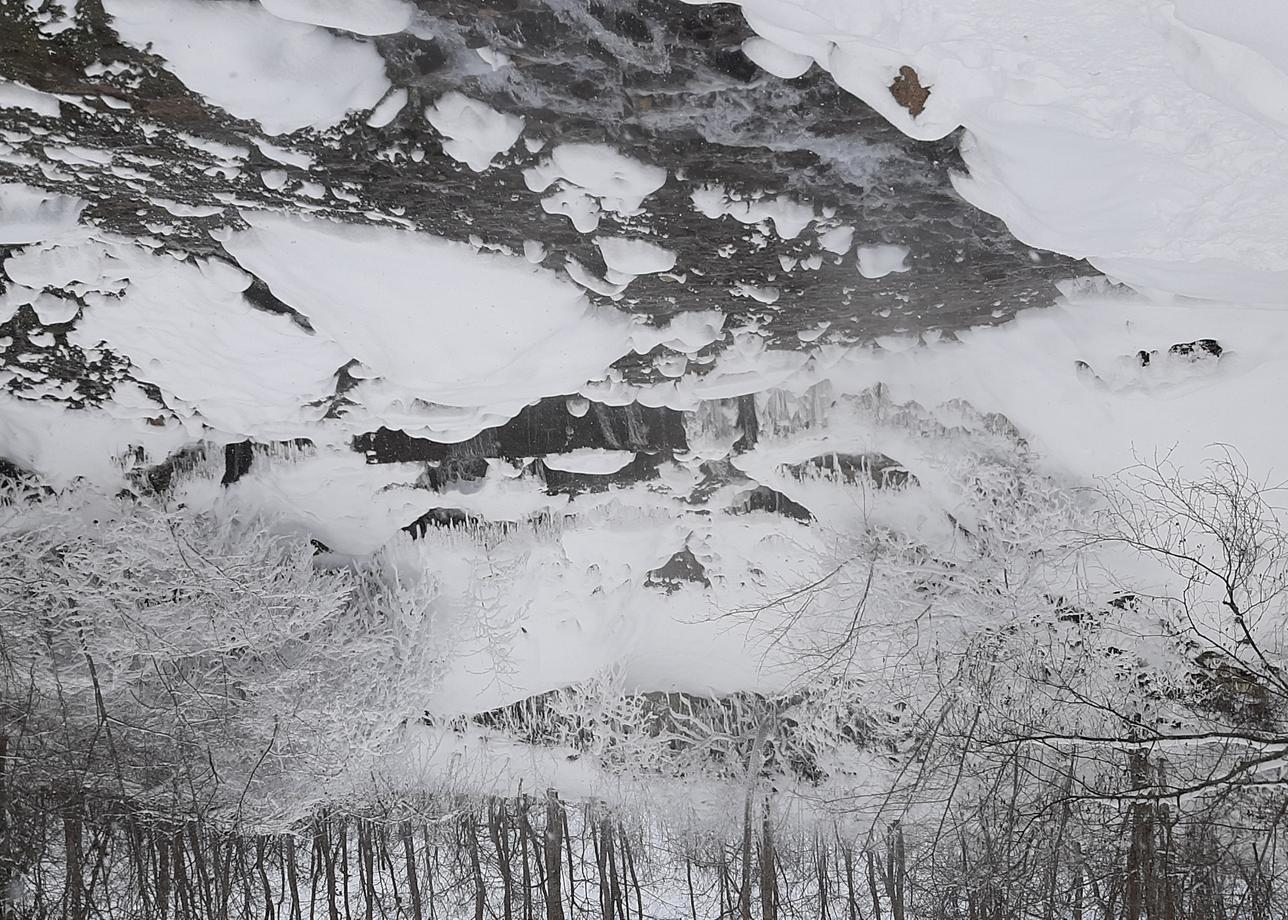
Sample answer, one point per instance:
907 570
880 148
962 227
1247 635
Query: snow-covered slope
1149 137
620 354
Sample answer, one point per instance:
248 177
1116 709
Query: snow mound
593 177
364 17
387 109
443 322
476 133
212 355
775 59
1163 121
788 215
285 75
631 257
591 460
14 95
28 214
879 261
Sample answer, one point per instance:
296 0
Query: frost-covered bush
200 661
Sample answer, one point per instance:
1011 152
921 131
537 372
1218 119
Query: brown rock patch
908 91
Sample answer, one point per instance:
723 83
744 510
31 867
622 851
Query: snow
591 460
18 95
775 59
765 294
837 239
65 444
336 497
227 153
52 309
788 215
283 155
388 109
180 209
447 324
364 17
476 133
29 214
1163 121
285 75
493 58
618 183
214 356
631 257
879 261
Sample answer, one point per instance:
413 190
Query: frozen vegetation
585 461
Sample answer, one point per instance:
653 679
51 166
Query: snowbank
364 17
1147 137
879 261
29 214
476 133
594 461
440 321
20 96
591 178
213 356
285 75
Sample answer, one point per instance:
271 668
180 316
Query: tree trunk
413 875
768 870
553 839
872 886
744 889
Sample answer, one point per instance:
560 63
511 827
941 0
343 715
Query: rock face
665 83
764 195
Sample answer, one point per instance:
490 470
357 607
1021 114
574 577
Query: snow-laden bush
201 661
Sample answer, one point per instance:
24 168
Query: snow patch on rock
29 214
285 75
364 17
881 260
476 133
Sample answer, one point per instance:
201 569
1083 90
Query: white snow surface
788 215
593 460
241 370
634 256
29 214
19 95
476 133
1147 136
618 182
285 75
776 59
387 109
364 17
436 319
881 260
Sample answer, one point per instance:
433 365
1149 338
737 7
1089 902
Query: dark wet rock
441 517
42 359
763 498
1201 348
238 458
549 427
747 423
873 468
1198 350
681 568
642 468
159 478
